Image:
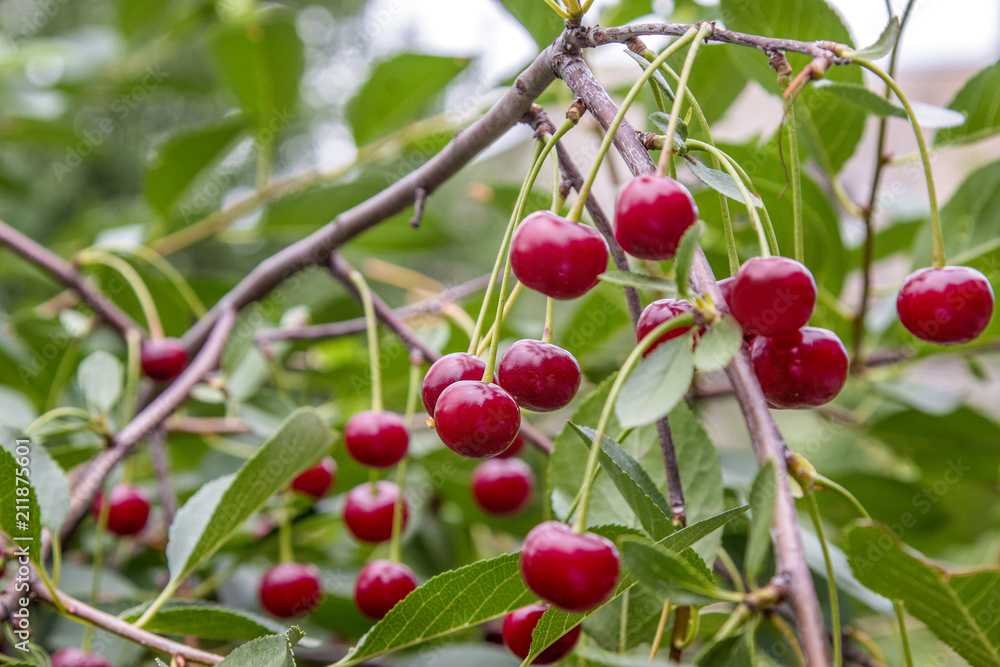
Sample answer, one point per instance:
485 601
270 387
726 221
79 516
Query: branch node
419 200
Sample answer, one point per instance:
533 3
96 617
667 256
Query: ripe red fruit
518 626
380 585
290 589
556 257
368 514
476 419
445 372
514 448
163 359
946 306
316 481
502 486
801 369
572 571
74 657
656 314
129 509
651 216
771 296
540 376
377 439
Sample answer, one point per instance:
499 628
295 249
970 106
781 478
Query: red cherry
129 509
726 287
651 216
514 448
572 571
163 359
377 439
316 481
801 369
476 419
556 257
502 486
290 589
518 626
771 296
946 306
74 657
656 314
382 584
368 514
445 372
540 376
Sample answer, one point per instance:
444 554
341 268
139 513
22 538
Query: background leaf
883 46
100 378
928 115
270 651
655 387
205 621
717 346
978 100
15 507
719 181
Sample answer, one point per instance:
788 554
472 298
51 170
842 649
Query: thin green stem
286 548
47 582
581 200
395 542
556 177
732 570
133 375
161 599
903 634
57 413
557 9
623 623
660 627
796 176
371 325
844 493
56 560
550 314
675 109
733 623
134 280
159 262
831 579
484 344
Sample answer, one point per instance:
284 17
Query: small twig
161 469
419 200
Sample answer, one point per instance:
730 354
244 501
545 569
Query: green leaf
686 249
205 621
537 18
639 281
971 217
717 346
762 496
883 46
47 478
178 161
270 651
671 575
595 656
928 115
719 181
979 100
656 386
656 77
20 516
715 81
624 11
887 566
217 510
398 91
100 379
662 122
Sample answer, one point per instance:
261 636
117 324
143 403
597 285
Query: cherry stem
173 276
590 472
843 493
550 311
556 178
938 254
286 552
903 634
675 110
395 548
133 375
134 281
658 636
584 191
488 338
831 578
371 325
98 566
558 10
796 178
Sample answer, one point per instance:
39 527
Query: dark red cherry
290 589
74 657
726 287
572 571
129 509
163 359
801 369
514 449
556 257
316 481
540 376
656 314
446 371
502 486
771 296
368 514
377 439
380 585
476 419
651 216
947 306
518 626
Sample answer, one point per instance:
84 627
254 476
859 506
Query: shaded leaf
100 379
656 386
979 100
883 46
205 621
762 496
717 346
686 249
928 115
20 517
671 575
719 181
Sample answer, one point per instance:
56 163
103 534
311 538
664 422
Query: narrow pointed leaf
100 379
719 181
762 495
657 77
671 575
205 621
658 384
928 115
883 46
686 249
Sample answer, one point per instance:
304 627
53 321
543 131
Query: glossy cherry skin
771 296
377 439
574 572
518 626
74 657
369 515
556 257
651 216
476 419
801 369
129 509
290 589
540 376
163 359
502 486
380 585
514 449
947 306
656 314
445 372
316 481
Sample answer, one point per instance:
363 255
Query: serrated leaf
100 379
762 496
887 566
928 115
639 281
20 516
269 651
719 181
656 386
883 46
656 77
686 249
662 122
671 575
718 345
205 621
979 100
